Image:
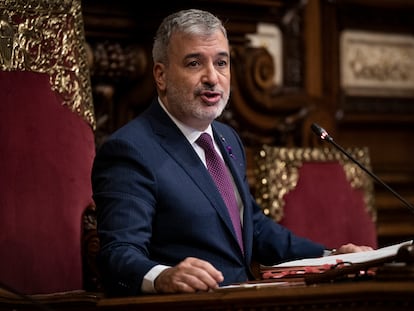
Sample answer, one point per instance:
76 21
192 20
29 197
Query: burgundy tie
222 178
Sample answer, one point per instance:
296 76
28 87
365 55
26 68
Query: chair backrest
47 144
318 193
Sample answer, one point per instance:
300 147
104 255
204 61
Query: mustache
202 90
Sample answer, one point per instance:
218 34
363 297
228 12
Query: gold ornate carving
47 36
277 173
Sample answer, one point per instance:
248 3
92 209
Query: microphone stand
323 134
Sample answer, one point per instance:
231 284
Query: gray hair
192 22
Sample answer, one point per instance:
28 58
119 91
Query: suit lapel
175 144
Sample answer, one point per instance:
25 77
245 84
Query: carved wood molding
261 111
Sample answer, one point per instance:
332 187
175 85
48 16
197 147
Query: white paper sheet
359 257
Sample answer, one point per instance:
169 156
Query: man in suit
163 225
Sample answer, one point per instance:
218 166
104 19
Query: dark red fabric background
45 162
325 208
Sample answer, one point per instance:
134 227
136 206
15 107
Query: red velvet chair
47 145
318 193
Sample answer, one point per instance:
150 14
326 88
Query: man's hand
351 248
188 276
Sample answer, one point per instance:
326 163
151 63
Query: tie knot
205 141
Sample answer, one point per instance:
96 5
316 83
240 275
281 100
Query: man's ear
159 75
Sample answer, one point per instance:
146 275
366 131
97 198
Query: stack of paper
299 268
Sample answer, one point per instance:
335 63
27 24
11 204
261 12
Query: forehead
182 44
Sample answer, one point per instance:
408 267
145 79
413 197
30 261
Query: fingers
352 248
188 276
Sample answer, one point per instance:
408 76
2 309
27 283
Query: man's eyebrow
225 54
192 55
198 55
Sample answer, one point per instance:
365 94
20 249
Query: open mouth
210 97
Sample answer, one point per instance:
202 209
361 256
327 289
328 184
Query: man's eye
193 64
222 63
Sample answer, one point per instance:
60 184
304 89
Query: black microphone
325 136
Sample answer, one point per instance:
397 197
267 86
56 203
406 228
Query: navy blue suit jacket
157 204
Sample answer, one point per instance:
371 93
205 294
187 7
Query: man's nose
210 75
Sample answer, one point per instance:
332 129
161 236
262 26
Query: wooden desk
72 300
363 295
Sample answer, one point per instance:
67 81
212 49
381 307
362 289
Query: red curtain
45 163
